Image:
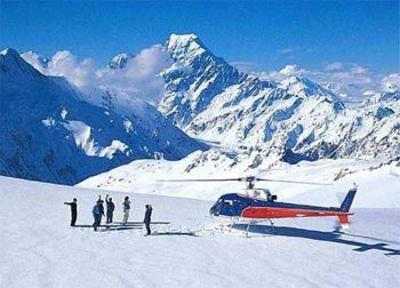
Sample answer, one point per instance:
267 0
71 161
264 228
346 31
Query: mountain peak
300 85
182 38
185 46
289 70
37 61
119 61
10 52
13 64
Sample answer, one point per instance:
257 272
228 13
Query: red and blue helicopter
258 204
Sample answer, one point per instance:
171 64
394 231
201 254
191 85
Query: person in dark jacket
147 218
98 213
74 210
110 210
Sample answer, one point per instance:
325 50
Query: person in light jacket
127 206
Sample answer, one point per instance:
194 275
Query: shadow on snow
111 227
333 236
174 234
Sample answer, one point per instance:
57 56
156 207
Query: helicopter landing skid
252 223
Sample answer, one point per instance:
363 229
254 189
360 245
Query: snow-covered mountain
120 61
37 61
262 121
194 79
49 133
292 119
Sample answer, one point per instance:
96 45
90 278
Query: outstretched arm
67 203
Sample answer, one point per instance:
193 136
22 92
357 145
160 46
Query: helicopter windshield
225 201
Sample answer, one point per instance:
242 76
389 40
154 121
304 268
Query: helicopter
259 204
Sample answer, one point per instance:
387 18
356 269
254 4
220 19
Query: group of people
98 212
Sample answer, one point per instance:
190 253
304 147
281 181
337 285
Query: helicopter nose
213 210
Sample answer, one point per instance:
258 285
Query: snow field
39 249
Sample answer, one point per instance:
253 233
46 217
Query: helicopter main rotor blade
202 180
291 181
272 169
242 179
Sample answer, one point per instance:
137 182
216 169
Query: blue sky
266 34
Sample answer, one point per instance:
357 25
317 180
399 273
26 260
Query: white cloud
292 51
357 69
291 70
81 73
244 66
140 77
286 51
391 82
288 70
351 81
333 66
63 63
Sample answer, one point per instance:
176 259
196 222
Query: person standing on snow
98 213
127 207
147 218
110 210
101 203
74 210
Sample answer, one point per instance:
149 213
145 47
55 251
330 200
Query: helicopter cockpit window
228 202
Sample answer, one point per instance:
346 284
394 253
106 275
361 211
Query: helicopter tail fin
348 200
345 207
